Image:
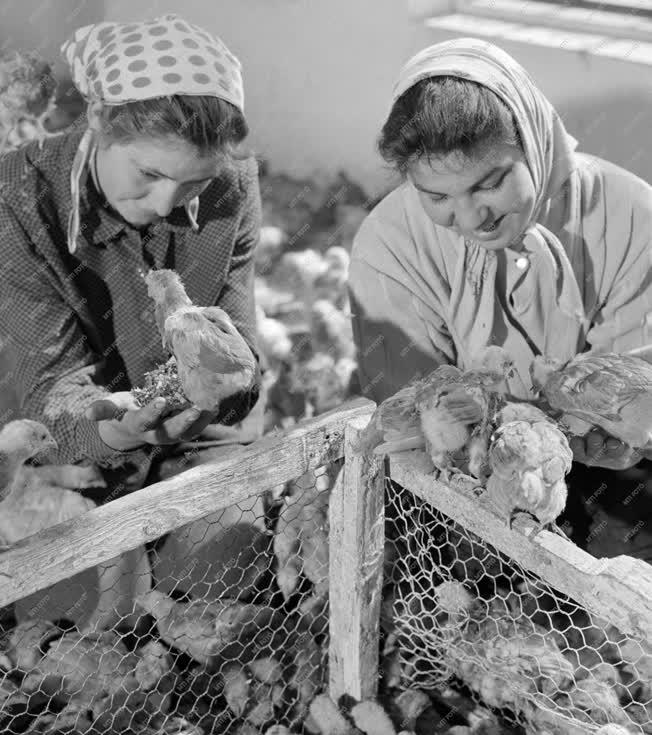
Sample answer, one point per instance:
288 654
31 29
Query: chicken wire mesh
460 615
219 627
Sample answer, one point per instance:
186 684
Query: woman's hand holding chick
598 449
123 425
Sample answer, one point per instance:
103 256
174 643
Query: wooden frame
618 590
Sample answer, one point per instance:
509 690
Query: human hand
124 425
598 449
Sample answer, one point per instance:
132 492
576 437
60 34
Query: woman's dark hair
442 115
211 124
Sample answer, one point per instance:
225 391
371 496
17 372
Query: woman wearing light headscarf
501 233
151 180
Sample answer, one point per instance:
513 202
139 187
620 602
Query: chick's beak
48 449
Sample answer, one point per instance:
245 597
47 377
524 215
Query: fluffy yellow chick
274 339
372 719
326 717
21 441
611 391
27 93
331 330
529 460
45 496
213 360
332 284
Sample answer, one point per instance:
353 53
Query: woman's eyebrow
151 170
486 176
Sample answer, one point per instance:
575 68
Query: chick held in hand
213 360
610 391
529 458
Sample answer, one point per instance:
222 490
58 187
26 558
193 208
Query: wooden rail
356 553
103 533
618 590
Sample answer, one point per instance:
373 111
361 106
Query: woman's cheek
520 194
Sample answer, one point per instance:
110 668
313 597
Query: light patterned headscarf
548 147
556 299
116 63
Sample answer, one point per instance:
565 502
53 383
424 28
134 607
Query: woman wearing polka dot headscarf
151 180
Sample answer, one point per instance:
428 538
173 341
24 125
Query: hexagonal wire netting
219 627
459 613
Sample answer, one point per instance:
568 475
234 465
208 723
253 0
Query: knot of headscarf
117 63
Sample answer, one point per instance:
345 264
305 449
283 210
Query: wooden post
356 544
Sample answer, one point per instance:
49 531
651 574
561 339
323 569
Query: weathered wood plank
59 552
619 590
356 543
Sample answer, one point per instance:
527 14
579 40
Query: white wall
318 74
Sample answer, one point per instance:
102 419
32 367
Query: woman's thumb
104 410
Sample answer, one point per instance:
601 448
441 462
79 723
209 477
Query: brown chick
213 360
395 423
21 441
529 460
455 410
202 630
611 391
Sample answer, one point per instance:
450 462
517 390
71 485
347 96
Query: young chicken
200 629
332 284
27 93
395 423
21 441
44 497
456 408
611 391
213 360
331 330
274 339
448 411
529 458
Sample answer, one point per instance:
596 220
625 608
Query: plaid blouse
81 326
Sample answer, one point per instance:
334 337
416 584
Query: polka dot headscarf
116 63
124 62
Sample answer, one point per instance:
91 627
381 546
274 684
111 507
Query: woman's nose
469 215
165 198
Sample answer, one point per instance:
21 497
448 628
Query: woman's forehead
458 171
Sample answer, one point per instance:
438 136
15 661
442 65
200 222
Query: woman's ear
95 115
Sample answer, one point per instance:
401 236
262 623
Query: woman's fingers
595 444
147 418
104 410
175 428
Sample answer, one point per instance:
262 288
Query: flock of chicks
469 422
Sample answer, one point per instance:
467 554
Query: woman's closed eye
148 174
496 183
